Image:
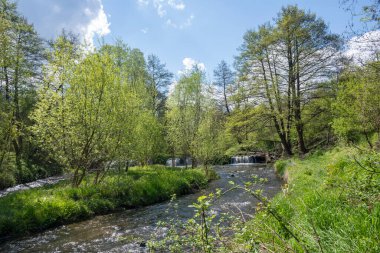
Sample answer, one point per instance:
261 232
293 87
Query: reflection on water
127 231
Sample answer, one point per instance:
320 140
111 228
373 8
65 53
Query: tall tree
158 81
185 112
285 63
85 111
309 49
224 77
21 60
259 63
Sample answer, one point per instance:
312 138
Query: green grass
330 203
38 209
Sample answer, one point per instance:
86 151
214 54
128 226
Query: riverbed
127 231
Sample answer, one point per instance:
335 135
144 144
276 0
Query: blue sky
179 32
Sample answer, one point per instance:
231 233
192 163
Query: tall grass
331 203
38 209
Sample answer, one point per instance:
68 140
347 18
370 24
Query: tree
185 112
21 59
357 104
259 66
207 145
284 64
310 50
158 81
148 139
82 121
224 77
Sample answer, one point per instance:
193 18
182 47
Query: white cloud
98 25
187 23
56 8
364 48
86 18
164 8
143 2
178 5
145 30
189 64
159 5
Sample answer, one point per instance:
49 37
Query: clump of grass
38 209
280 166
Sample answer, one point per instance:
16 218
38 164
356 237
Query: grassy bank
331 203
38 209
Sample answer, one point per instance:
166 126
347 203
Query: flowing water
127 231
31 185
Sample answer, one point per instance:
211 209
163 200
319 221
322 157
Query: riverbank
41 208
330 203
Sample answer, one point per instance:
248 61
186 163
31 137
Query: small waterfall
179 162
247 159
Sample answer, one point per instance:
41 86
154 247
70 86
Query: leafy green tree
148 138
82 123
185 112
283 64
21 58
208 143
259 67
357 104
309 50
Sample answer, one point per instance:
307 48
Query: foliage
21 58
281 64
185 112
356 106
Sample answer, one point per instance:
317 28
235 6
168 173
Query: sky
180 32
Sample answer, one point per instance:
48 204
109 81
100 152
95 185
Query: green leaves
91 110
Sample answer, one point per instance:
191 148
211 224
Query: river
127 231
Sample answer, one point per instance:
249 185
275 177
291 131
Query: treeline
64 107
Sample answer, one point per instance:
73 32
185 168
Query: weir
248 159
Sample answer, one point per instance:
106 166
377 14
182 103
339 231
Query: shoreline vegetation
330 201
50 206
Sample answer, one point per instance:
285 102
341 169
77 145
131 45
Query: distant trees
224 78
185 111
158 81
194 123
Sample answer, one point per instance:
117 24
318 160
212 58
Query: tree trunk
225 97
297 105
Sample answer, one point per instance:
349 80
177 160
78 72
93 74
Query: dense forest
87 113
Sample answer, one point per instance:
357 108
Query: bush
6 180
280 167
